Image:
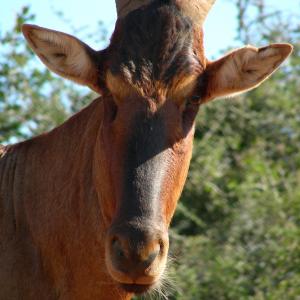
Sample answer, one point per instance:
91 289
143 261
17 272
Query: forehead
153 48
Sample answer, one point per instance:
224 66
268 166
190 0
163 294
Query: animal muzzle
136 256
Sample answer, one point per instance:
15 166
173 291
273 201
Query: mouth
137 288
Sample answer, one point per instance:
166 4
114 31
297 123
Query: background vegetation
236 234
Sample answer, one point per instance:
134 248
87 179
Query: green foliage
236 233
243 186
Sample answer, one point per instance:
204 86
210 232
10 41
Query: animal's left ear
242 70
65 55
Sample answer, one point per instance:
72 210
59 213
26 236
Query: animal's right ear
65 55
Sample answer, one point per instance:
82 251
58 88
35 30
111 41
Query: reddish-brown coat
62 233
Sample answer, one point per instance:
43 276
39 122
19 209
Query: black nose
134 256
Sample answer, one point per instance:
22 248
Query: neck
58 208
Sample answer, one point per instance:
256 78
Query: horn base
197 10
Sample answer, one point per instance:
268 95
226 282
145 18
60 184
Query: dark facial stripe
145 167
154 43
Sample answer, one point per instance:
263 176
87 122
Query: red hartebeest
85 208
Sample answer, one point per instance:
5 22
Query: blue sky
220 27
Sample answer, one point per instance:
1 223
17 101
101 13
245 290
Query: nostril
161 245
151 258
117 248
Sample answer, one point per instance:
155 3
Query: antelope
85 208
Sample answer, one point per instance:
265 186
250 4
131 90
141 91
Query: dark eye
194 100
110 109
190 112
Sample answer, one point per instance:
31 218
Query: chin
137 289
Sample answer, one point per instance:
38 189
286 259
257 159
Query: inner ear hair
64 54
242 70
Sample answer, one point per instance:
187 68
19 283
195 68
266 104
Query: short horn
197 10
124 7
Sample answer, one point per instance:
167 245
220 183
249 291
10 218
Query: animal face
153 78
148 139
146 153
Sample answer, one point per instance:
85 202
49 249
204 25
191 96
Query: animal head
153 77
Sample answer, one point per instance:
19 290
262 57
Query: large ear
65 55
242 70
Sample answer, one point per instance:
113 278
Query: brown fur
51 230
85 208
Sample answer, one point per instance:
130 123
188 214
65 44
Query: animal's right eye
110 110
